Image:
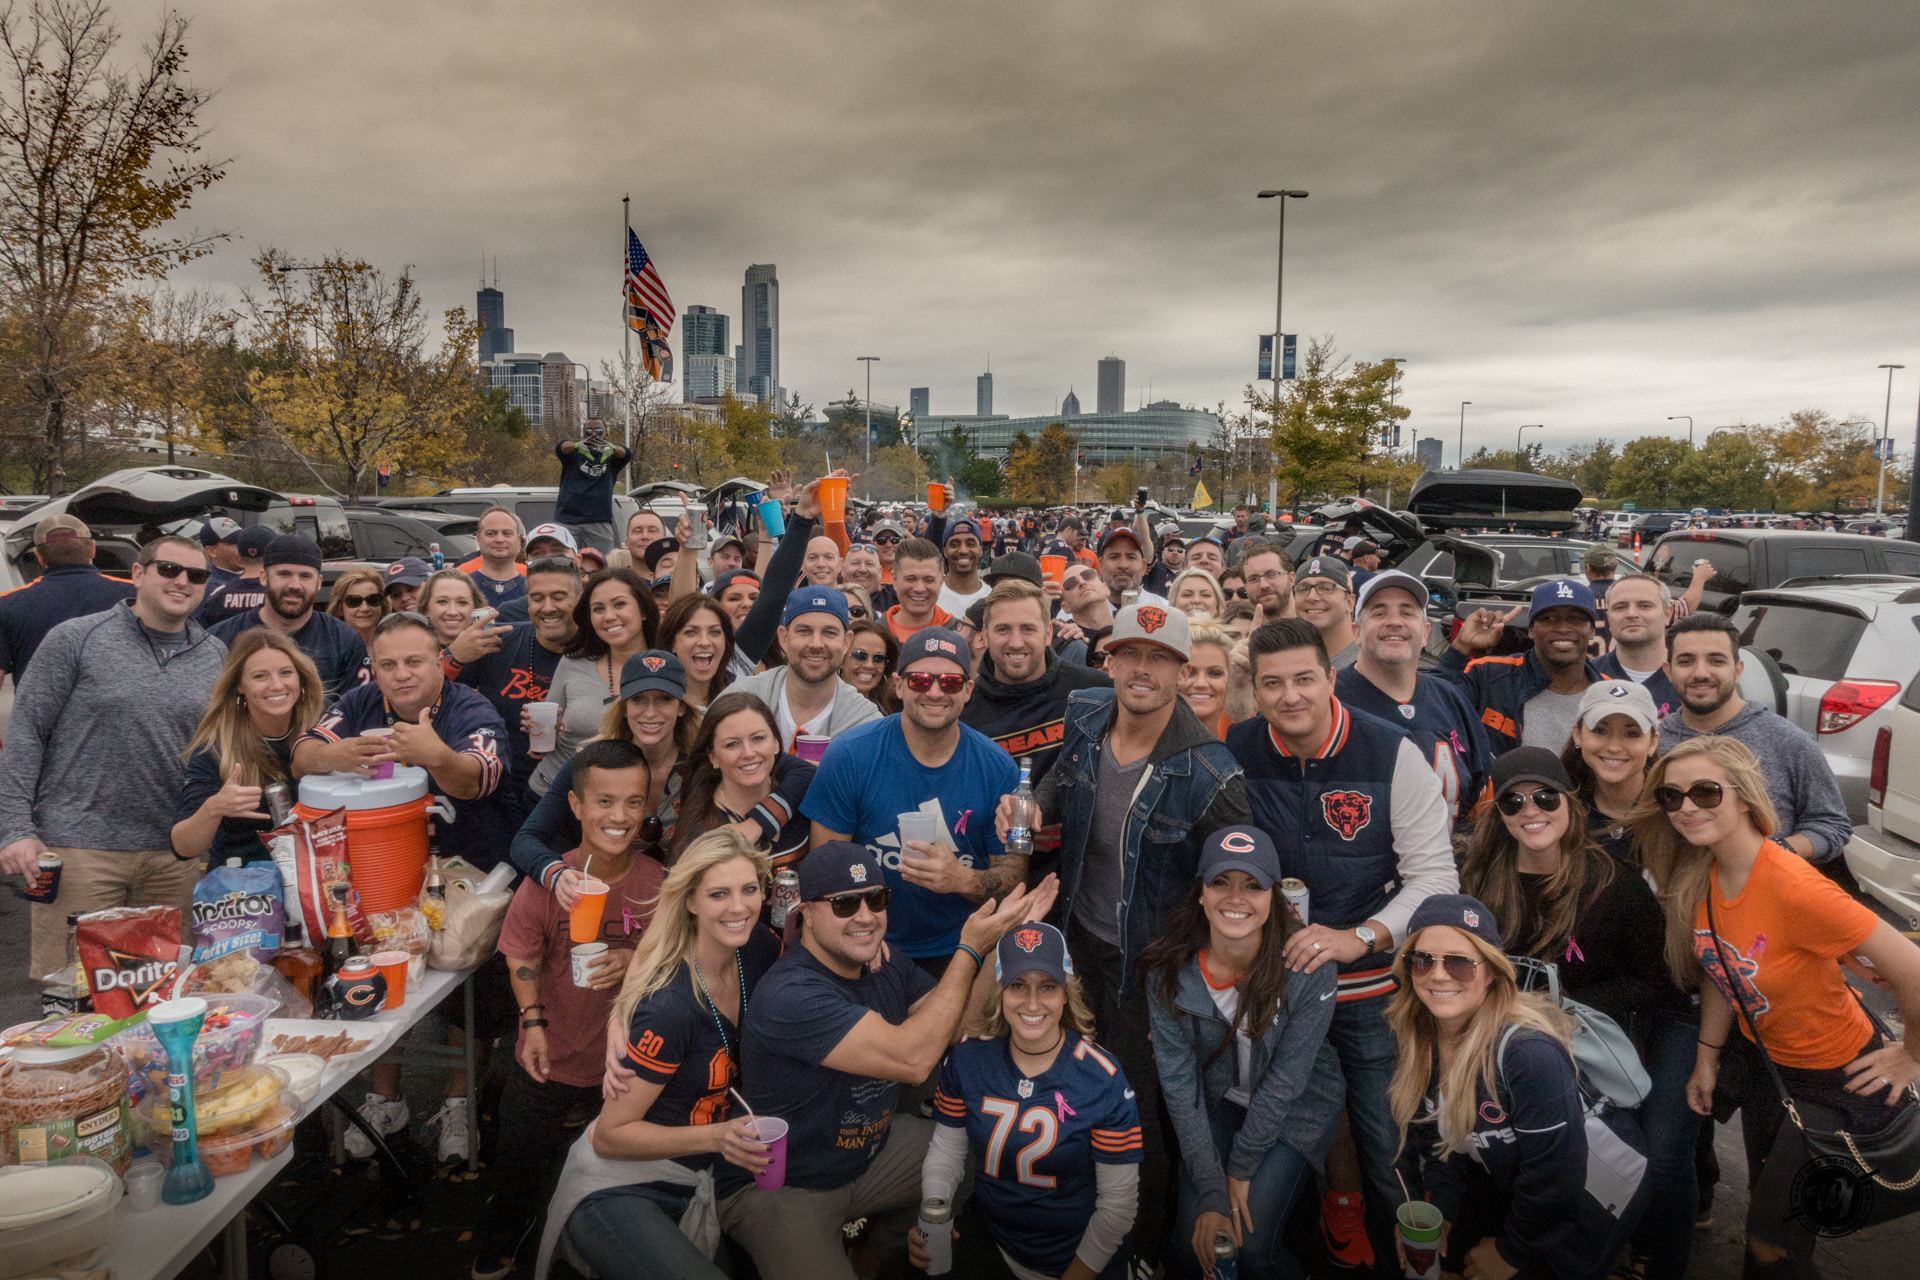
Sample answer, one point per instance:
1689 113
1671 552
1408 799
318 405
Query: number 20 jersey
1034 1148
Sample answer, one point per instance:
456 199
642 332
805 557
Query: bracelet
1709 1044
535 1005
531 1023
978 963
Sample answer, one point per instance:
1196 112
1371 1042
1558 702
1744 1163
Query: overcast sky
1586 215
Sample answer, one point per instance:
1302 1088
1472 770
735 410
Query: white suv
1884 854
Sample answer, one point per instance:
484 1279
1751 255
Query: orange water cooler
386 830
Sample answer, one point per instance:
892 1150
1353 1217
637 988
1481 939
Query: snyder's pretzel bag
237 909
131 955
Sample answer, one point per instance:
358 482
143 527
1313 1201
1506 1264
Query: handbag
1891 1154
1608 1062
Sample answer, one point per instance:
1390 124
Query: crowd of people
1162 901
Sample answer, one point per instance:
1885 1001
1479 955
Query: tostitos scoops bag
237 908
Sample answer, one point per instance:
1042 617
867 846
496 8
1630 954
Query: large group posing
1155 902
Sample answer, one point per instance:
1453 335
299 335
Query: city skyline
1557 216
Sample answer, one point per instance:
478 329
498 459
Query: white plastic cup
143 1180
543 720
586 958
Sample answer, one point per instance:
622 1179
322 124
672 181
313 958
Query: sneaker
384 1116
499 1269
456 1130
1343 1228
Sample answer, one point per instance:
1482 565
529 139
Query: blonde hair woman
1206 677
1488 1099
267 695
448 598
359 599
1197 593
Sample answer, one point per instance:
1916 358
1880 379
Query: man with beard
872 776
1020 695
1123 566
1638 609
292 584
807 695
962 553
1385 681
917 581
1323 595
1528 699
512 666
245 593
1269 582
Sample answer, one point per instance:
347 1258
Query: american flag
650 310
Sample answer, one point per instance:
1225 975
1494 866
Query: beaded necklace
713 1010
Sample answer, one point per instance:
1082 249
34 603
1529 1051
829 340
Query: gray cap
1393 579
1155 624
1332 568
1627 698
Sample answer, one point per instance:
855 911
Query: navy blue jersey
482 827
587 473
1442 725
242 595
336 648
62 592
497 591
518 672
1035 1142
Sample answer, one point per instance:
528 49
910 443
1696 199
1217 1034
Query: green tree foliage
1648 473
952 454
1728 471
1327 427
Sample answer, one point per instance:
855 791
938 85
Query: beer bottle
339 934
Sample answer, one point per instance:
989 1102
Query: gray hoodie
1800 783
850 706
93 752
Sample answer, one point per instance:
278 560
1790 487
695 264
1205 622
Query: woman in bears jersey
1050 1121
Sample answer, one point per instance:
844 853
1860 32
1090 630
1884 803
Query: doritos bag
237 909
131 955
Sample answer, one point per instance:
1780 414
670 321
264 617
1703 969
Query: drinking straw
743 1102
1404 1193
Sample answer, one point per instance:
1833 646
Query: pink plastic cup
810 747
385 769
773 1131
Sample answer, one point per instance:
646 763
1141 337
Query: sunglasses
867 655
169 570
847 905
1459 968
653 833
856 611
552 564
886 540
950 681
1096 658
1705 795
1234 593
1546 800
361 602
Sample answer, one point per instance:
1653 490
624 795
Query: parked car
382 535
532 503
1884 853
1758 559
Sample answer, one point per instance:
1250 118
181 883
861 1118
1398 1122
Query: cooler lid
34 1194
325 791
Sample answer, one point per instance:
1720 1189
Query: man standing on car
68 587
1528 699
588 468
293 583
94 760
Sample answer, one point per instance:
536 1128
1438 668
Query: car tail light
1877 778
1848 702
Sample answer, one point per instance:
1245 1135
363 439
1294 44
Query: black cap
254 541
839 866
1530 764
1241 848
657 550
292 548
1015 564
1457 911
934 642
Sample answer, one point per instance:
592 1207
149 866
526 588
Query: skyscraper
560 399
1070 407
983 394
1112 396
759 370
707 377
490 308
703 332
918 399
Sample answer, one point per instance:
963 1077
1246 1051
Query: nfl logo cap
1154 623
1031 948
934 642
838 866
1458 911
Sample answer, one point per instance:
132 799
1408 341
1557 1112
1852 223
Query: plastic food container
226 1045
56 1217
303 1071
231 1150
61 1104
238 1104
143 1182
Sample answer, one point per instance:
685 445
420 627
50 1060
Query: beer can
936 1224
1226 1258
279 798
44 884
786 895
1295 892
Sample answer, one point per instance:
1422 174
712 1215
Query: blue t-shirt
1441 723
482 827
518 672
1035 1142
498 591
586 483
336 648
869 777
801 1011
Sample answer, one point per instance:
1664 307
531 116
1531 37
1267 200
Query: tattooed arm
531 1051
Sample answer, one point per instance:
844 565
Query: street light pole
1463 433
1675 417
1880 446
869 362
1283 195
1519 457
1393 396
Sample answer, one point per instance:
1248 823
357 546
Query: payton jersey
1035 1142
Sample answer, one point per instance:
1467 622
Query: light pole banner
1286 357
1266 358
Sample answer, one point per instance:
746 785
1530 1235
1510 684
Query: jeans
1360 1037
538 1122
1665 1235
1270 1197
633 1233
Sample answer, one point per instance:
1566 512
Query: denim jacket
1192 787
1295 1089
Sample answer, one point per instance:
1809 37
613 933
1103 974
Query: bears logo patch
1152 617
1347 812
1028 940
653 661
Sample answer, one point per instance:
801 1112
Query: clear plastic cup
543 732
142 1180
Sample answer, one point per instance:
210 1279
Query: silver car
1846 649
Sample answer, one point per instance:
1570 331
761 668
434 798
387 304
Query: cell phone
1140 496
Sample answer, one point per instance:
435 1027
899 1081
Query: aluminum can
1226 1259
936 1224
786 895
1295 892
279 798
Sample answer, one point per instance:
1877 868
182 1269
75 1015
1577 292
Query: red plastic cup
1053 568
773 1131
393 967
833 500
583 922
936 497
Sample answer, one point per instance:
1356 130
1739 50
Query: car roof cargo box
1469 499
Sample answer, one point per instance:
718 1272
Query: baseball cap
216 530
1627 698
965 524
253 542
56 527
1457 911
657 671
1357 547
1530 764
889 526
727 540
1119 531
292 548
815 600
409 571
659 549
1393 579
1241 848
1031 948
1601 558
1561 593
1153 623
839 866
557 532
731 576
934 642
1331 568
1014 564
1350 544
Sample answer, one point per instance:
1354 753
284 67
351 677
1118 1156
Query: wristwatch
1367 936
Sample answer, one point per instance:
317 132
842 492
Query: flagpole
626 335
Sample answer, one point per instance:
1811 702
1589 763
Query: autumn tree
1043 472
161 369
1328 425
1728 471
96 158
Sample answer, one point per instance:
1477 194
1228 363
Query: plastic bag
472 930
239 973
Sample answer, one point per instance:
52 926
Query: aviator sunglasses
1546 800
950 681
1705 795
1459 968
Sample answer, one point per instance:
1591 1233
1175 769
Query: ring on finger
1316 946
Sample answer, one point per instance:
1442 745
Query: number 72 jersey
1034 1142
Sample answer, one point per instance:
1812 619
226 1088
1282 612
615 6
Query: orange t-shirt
1785 935
901 631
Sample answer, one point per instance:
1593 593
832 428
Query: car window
1524 561
333 533
1901 560
1825 562
1732 571
1805 640
388 541
533 511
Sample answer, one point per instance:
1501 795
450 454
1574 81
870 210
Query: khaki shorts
95 879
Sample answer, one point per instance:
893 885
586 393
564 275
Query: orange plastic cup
936 497
833 500
583 922
1053 568
393 967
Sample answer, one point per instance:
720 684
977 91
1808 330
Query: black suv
1751 559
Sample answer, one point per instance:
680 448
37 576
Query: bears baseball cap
554 533
409 571
1392 579
1241 848
1031 948
655 671
1458 911
253 542
1155 624
815 600
1332 568
1118 532
1530 764
1561 593
934 642
839 866
1627 698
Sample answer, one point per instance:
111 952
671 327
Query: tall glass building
758 373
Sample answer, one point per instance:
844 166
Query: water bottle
436 555
1020 831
